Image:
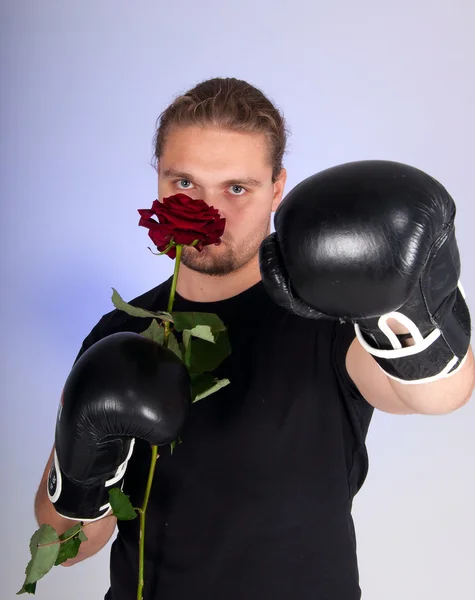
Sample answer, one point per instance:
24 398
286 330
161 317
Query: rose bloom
183 220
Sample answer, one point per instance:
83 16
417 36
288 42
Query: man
256 501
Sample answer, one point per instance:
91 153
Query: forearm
97 532
441 396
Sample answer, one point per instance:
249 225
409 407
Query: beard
226 258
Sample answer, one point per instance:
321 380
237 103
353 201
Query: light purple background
82 84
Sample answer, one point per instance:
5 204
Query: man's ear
279 187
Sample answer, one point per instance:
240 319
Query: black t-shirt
255 503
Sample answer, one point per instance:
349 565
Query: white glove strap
398 351
118 475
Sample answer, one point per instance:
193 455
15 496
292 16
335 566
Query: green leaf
121 505
184 354
70 542
187 345
189 320
154 332
186 337
174 443
206 356
75 529
135 311
203 332
206 384
68 549
27 588
43 556
173 345
82 536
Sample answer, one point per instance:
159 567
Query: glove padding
123 387
368 241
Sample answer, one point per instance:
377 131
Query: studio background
82 84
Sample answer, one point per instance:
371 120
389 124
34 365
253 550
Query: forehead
214 150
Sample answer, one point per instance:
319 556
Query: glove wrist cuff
439 354
81 501
429 359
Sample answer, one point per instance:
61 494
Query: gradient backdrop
82 84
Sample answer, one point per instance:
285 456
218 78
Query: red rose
183 220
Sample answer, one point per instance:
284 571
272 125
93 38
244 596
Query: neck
198 287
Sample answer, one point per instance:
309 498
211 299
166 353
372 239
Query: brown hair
231 104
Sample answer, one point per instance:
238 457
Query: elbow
454 396
453 404
443 405
465 401
470 388
80 556
69 563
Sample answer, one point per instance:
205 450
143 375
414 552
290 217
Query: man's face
230 171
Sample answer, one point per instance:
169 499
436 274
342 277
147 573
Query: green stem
155 455
142 520
171 298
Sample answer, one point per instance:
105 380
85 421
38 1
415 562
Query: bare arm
98 532
434 398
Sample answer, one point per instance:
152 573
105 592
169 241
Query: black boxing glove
369 241
123 387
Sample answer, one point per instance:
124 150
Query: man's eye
238 190
184 181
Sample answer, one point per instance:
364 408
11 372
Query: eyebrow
236 181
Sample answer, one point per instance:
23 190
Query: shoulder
117 320
154 299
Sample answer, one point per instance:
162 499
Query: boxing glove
123 387
366 242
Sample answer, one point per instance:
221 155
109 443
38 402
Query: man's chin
208 262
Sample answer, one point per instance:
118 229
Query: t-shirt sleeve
113 322
343 336
359 411
117 320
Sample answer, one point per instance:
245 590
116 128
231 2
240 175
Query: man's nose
216 200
